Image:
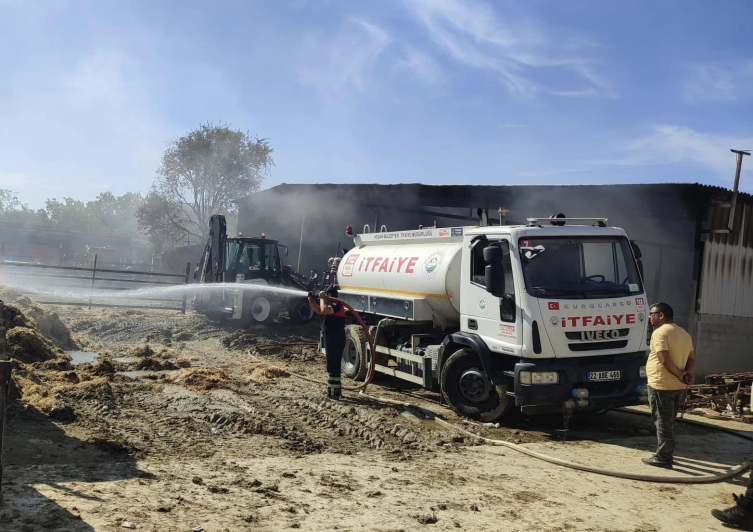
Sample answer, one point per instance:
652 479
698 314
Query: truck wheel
261 310
467 389
300 311
354 355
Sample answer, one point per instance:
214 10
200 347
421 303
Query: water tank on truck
425 275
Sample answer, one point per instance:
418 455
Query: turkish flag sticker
525 243
553 305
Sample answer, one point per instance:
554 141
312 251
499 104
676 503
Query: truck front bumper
573 374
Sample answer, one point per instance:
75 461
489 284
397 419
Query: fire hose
429 414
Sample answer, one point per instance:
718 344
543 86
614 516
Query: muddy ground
176 423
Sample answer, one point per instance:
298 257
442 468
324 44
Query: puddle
81 357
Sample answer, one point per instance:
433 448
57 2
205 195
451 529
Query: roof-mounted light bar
537 222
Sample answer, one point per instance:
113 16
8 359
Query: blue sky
433 91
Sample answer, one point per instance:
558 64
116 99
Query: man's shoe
657 462
735 516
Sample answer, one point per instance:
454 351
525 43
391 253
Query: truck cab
567 303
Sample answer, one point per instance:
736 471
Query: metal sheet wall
727 274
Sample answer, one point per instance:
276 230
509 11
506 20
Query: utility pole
740 154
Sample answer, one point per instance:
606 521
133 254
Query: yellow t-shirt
674 339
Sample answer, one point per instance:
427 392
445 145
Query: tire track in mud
337 426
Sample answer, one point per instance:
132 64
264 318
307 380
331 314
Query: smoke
660 218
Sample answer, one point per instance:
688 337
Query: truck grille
596 346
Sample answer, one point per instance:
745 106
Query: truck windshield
584 267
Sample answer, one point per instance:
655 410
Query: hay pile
45 321
34 338
23 340
263 373
203 379
159 359
50 392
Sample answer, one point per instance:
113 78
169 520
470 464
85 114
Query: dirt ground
180 424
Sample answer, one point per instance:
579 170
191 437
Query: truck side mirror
494 275
494 279
493 254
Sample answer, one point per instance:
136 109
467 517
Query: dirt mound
147 350
28 345
11 316
203 379
47 322
103 366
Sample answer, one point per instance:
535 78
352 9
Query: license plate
595 376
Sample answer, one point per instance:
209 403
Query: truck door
495 319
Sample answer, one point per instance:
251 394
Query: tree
108 213
202 173
14 210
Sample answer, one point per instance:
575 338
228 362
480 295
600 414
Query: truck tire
261 310
300 311
467 389
353 363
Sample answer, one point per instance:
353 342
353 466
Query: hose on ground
705 479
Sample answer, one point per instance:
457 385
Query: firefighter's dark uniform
333 338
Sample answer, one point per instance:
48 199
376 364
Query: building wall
723 344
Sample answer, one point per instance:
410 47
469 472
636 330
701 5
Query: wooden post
94 273
5 370
185 282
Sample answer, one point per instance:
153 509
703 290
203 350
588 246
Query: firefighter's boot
334 388
740 515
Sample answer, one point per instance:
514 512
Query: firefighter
333 335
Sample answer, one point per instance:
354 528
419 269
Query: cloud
80 126
345 59
668 144
662 145
422 66
719 82
518 50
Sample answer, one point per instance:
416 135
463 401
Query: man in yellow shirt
669 370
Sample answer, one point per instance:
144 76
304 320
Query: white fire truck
545 317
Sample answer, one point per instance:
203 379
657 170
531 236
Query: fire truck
545 317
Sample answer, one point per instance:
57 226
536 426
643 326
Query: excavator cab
254 258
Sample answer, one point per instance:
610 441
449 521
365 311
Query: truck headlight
643 372
539 377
